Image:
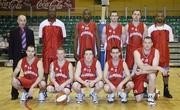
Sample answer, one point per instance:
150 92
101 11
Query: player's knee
42 84
15 83
99 85
50 88
130 85
76 86
107 88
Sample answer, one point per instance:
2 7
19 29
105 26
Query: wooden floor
162 103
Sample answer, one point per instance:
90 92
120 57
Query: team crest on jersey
132 28
60 70
25 66
110 30
82 27
113 32
84 69
112 69
135 29
56 68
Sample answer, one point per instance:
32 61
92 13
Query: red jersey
87 33
52 40
88 72
161 38
147 59
61 73
30 71
134 41
113 36
115 73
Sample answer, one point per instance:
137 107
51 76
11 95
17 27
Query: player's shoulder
167 26
59 21
44 22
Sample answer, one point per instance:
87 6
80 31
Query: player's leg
42 89
151 88
77 88
110 92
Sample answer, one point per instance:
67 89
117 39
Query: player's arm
123 36
70 68
40 74
126 34
127 74
106 74
144 69
97 42
63 33
99 72
145 33
40 33
104 36
171 36
78 73
76 40
17 69
52 74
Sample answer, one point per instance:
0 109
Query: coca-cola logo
58 4
13 4
36 4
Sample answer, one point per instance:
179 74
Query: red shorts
139 83
25 82
46 63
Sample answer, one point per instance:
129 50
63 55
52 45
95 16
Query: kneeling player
61 74
117 77
145 69
32 77
88 74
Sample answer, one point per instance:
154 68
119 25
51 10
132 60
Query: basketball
61 98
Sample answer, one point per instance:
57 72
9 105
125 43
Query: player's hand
91 83
163 71
56 87
76 57
10 61
139 71
86 83
61 87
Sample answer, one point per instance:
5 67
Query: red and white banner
37 5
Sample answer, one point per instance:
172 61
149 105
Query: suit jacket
15 46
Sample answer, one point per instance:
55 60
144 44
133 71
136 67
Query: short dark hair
136 10
115 47
113 11
32 46
147 37
88 49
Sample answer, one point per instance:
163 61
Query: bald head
160 17
21 20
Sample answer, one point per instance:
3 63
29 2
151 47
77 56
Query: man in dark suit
20 38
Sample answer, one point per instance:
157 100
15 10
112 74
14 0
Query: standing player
135 32
51 33
113 35
86 36
32 69
117 77
88 74
145 69
61 74
161 35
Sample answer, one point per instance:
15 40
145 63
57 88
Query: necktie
23 39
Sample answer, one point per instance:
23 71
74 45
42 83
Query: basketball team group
147 55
